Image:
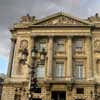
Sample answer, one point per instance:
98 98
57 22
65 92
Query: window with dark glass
58 69
79 99
37 90
80 90
78 70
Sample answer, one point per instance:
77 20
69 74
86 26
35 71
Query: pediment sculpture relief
62 20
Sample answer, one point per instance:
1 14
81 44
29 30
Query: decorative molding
97 45
61 20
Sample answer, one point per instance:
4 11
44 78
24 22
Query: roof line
64 14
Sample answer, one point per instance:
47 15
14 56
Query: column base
69 78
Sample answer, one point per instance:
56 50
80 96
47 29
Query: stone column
69 58
31 46
50 57
13 41
89 58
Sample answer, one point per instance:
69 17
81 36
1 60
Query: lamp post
33 86
95 95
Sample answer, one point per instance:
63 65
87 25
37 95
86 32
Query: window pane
78 43
80 90
60 45
58 70
40 71
42 44
78 71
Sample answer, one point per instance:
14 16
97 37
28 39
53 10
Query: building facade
1 85
71 70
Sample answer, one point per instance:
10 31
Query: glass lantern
33 52
42 55
24 56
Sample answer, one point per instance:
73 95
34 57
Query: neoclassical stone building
71 70
1 85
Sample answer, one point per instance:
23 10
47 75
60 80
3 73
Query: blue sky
3 64
12 10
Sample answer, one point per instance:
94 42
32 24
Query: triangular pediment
61 19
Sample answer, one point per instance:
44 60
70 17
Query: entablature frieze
54 32
60 34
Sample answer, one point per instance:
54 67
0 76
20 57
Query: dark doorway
36 99
56 95
80 99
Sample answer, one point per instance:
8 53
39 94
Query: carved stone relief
22 56
24 44
97 45
61 20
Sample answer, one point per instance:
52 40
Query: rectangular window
78 71
58 70
42 44
40 71
79 99
60 45
80 90
78 43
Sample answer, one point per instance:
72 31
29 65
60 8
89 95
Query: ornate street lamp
70 86
95 95
42 56
33 52
33 86
23 54
33 80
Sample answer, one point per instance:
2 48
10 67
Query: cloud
11 10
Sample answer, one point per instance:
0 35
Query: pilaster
69 58
89 58
13 42
50 57
31 46
29 60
